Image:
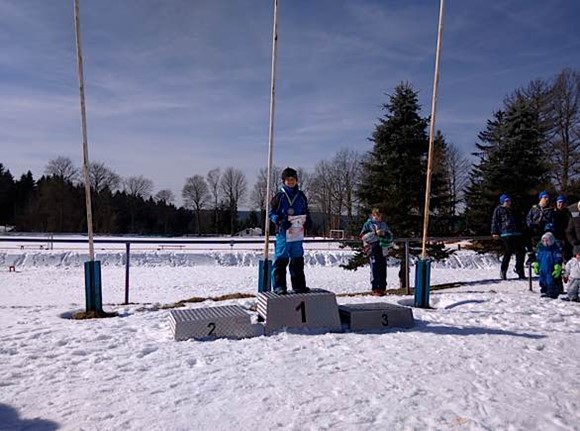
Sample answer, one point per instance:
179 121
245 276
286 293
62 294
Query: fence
48 242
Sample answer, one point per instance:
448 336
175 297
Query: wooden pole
271 130
432 131
84 130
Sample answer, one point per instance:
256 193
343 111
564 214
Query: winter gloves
285 224
557 271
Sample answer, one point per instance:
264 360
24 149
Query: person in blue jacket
548 265
289 212
505 224
377 238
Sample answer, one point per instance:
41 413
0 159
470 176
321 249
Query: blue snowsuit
375 246
288 201
547 256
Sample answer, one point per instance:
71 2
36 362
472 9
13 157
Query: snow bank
324 258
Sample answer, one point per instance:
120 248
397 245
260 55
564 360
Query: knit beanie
289 173
543 194
504 198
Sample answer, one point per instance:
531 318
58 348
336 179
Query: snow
489 355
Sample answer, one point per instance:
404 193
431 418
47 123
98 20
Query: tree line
530 143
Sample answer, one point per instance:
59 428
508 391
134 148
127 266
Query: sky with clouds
175 88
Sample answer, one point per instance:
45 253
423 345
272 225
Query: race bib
296 231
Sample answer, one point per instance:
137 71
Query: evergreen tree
512 160
393 174
7 195
442 204
25 204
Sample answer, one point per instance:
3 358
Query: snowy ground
490 355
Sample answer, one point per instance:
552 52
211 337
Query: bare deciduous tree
138 186
63 168
196 195
333 187
102 177
565 121
233 186
213 181
165 195
459 167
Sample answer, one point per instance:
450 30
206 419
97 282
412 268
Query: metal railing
167 244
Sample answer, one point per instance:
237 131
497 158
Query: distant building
251 231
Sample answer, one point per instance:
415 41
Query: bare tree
321 192
165 195
102 177
459 167
564 151
196 195
233 186
258 196
347 173
138 186
63 168
258 199
333 188
213 181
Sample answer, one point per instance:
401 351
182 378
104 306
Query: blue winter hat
543 194
561 198
504 198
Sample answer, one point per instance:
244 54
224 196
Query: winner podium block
316 309
376 315
230 321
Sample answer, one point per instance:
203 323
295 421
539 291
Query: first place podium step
316 309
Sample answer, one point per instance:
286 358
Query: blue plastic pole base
422 283
264 275
94 297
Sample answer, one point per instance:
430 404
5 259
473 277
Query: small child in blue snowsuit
285 207
377 238
548 265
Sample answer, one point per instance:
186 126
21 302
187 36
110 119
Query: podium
230 321
376 315
316 309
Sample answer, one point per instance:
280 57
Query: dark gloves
308 223
285 224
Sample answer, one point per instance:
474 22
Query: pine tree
512 160
442 204
7 195
393 176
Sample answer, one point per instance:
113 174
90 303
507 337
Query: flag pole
265 265
423 266
92 267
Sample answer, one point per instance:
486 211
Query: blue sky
177 87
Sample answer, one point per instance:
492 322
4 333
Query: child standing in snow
548 265
572 276
377 238
289 212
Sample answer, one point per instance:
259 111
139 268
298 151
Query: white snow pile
330 258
